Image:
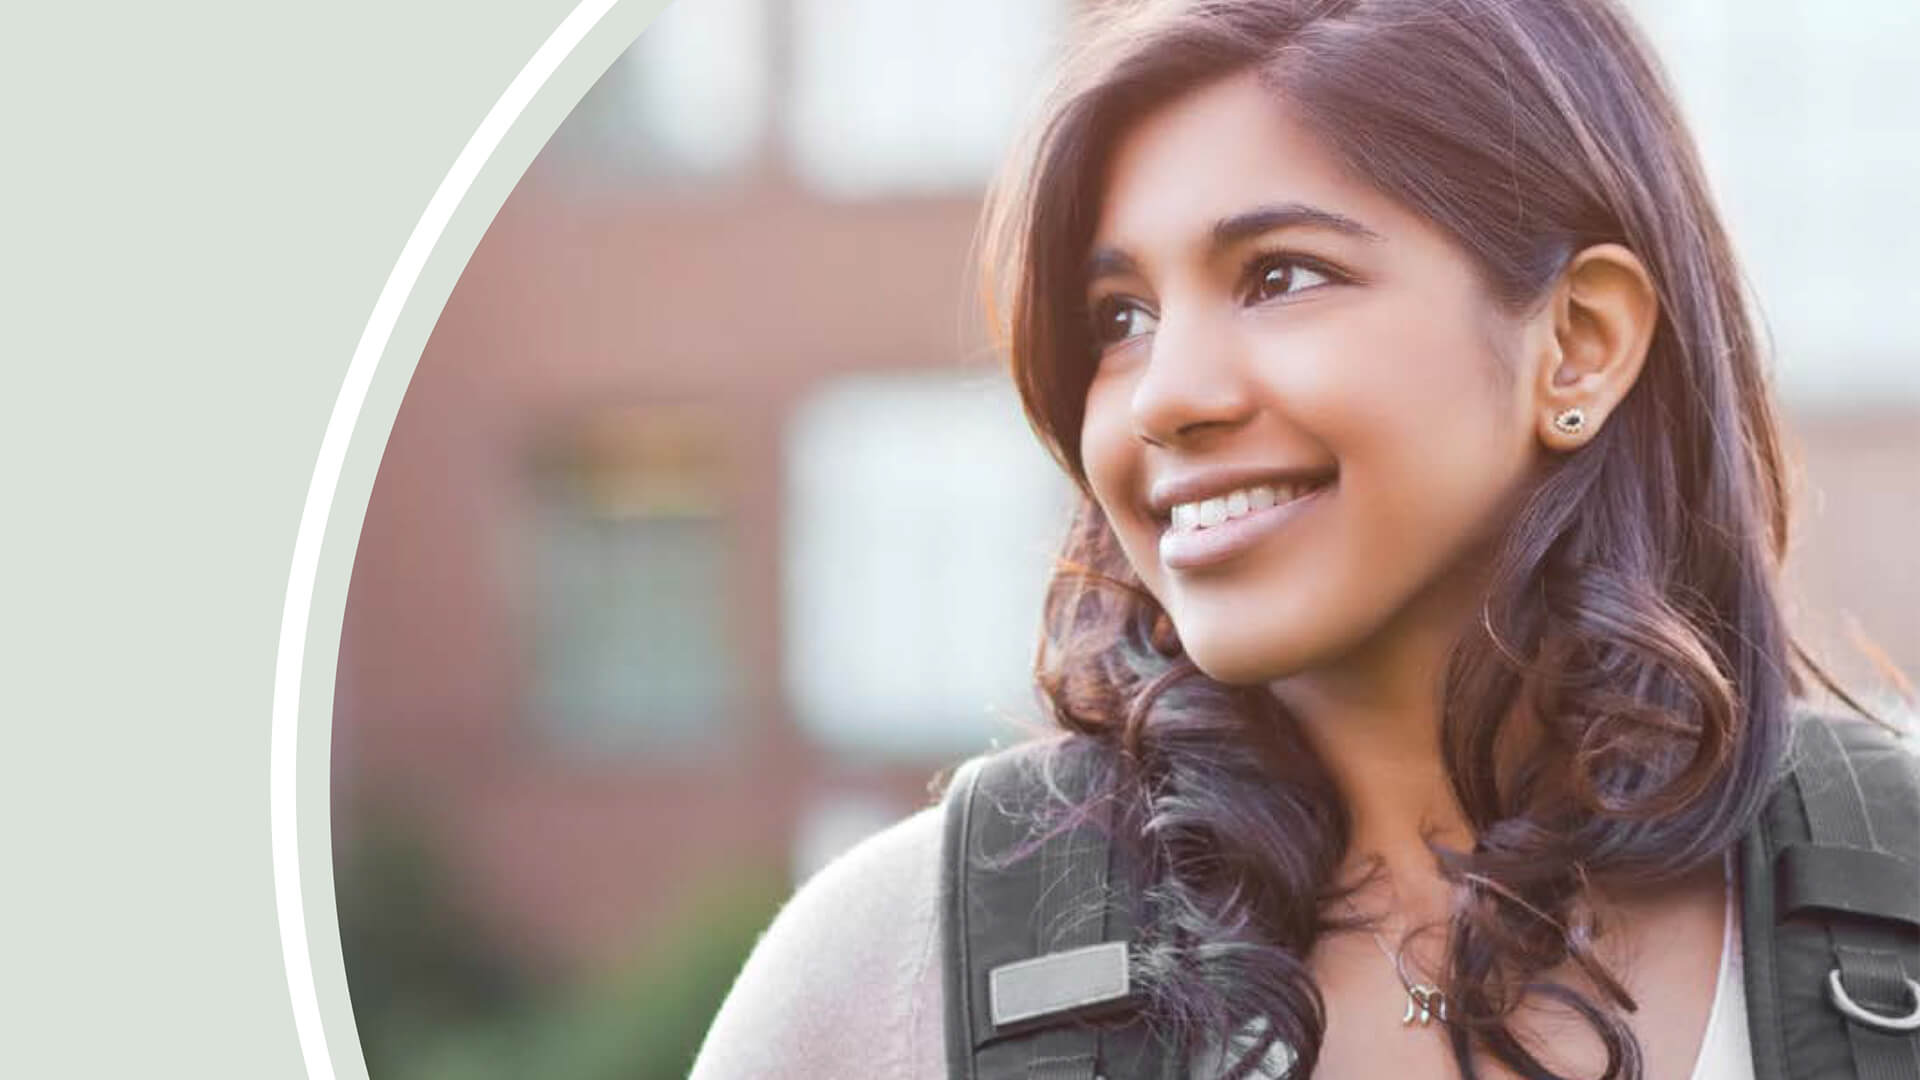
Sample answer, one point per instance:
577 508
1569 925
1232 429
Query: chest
1668 957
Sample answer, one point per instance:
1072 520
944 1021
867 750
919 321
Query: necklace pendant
1423 1003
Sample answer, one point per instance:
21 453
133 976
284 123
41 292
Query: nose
1195 383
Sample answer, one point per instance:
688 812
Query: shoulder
1890 738
846 979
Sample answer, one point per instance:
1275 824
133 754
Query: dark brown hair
1633 602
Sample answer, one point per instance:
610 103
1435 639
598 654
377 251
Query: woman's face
1267 321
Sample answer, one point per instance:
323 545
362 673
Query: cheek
1429 436
1111 456
1407 365
1107 447
1102 443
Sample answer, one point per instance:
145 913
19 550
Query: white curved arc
352 398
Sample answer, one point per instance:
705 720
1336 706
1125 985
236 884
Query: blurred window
921 522
686 102
921 96
630 638
1804 114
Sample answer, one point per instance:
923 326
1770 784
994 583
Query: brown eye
1116 318
1277 276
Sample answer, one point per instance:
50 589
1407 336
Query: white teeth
1207 513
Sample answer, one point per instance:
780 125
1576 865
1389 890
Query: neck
1384 758
1374 721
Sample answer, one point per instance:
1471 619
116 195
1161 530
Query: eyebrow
1228 231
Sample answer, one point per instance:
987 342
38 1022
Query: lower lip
1187 550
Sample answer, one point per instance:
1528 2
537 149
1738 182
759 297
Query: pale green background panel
200 209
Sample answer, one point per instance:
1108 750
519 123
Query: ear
1603 310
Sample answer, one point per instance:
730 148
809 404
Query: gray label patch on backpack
1058 982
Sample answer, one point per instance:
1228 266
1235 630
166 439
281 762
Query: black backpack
1038 990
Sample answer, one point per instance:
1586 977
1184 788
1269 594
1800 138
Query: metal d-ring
1837 994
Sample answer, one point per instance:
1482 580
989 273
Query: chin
1239 660
1245 635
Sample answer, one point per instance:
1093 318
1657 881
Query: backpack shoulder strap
1831 907
1036 927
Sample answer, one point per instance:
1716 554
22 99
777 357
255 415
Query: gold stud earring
1570 421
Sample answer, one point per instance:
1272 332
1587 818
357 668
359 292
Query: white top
1726 1052
847 980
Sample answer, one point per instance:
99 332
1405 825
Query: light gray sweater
846 982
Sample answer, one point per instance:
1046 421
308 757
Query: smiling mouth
1198 516
1218 529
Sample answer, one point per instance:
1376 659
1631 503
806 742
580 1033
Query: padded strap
1073 866
1819 878
1762 942
1037 929
955 932
1874 954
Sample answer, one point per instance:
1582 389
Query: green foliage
434 1002
417 959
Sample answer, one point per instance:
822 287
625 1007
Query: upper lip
1196 485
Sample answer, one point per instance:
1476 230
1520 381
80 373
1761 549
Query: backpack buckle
1837 993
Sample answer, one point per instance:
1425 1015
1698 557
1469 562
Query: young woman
1422 606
